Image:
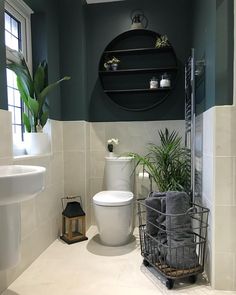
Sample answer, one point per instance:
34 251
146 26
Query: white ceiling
101 1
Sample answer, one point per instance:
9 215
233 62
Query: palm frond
167 163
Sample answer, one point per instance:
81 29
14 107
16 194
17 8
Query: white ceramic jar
153 83
165 81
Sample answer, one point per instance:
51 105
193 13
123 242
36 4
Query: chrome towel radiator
190 117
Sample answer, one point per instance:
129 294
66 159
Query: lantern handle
70 198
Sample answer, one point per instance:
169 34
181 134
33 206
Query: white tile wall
85 146
133 137
219 182
6 147
76 167
75 161
41 216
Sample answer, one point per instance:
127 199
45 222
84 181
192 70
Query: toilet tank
119 173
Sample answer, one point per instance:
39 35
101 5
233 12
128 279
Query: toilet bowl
113 208
113 213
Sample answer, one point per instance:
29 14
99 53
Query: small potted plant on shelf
162 42
34 90
112 64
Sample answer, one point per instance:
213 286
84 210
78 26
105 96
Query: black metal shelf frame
144 70
137 90
138 50
124 86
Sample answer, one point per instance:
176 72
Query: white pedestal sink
17 183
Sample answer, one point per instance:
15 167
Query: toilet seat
113 198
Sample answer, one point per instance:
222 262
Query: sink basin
19 183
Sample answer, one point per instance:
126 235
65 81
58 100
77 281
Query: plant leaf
23 89
167 163
21 69
26 122
39 79
44 118
34 107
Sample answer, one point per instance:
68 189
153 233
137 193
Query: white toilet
113 208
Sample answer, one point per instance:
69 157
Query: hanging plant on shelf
162 42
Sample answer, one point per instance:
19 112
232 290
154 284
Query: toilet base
119 244
115 224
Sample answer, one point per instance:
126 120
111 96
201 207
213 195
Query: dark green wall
71 36
3 90
45 46
106 21
73 60
213 40
224 52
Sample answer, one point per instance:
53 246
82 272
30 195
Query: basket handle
191 210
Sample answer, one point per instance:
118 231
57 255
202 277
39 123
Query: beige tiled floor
89 268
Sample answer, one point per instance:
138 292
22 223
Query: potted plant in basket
168 163
34 90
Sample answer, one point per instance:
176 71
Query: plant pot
107 67
37 143
114 67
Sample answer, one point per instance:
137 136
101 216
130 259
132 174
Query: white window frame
22 13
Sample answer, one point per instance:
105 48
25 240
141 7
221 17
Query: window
17 37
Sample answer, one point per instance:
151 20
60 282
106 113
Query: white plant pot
37 143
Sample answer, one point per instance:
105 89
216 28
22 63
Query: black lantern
73 221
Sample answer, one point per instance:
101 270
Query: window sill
24 157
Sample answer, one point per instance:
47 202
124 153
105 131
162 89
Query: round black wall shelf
129 85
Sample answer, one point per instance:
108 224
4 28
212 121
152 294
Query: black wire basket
175 244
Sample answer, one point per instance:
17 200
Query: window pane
18 133
11 41
14 43
7 22
11 109
10 96
17 115
13 129
14 28
17 98
10 78
8 39
14 80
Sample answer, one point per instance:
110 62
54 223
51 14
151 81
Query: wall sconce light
139 20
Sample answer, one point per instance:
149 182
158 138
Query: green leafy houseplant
33 90
167 163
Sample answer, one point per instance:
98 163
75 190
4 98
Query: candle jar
165 81
154 83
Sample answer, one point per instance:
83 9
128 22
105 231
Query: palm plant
33 90
168 163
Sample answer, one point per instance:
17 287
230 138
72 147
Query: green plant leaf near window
168 163
34 90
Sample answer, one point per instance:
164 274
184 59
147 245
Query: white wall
75 167
41 216
219 194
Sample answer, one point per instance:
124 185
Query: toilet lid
113 198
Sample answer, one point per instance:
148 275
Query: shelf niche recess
129 85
